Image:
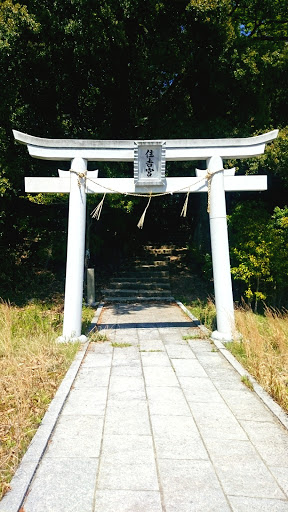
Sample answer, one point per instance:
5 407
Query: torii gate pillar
220 251
75 253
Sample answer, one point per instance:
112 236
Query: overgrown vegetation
121 345
247 381
263 350
205 311
87 315
259 250
97 336
32 365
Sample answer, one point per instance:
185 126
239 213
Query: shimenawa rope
97 211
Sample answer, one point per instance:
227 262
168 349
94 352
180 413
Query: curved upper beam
24 138
123 150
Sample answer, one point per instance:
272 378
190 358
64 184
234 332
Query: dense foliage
149 69
259 243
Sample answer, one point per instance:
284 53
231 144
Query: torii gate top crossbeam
123 150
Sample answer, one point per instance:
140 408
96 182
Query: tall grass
264 350
32 365
204 310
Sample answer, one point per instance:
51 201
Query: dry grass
31 368
264 350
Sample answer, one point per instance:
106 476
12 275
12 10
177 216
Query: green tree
259 251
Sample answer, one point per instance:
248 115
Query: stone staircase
145 279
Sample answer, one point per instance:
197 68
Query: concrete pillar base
70 339
222 336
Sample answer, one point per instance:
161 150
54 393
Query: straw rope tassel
184 209
209 178
141 221
97 211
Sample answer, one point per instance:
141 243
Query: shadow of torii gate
78 182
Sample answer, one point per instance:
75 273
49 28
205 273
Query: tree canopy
108 69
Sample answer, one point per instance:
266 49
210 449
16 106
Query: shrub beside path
157 420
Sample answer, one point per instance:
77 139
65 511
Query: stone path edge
19 485
98 312
263 395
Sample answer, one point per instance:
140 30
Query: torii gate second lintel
80 181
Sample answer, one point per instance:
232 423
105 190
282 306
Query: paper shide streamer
97 211
142 218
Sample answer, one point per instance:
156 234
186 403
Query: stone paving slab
70 437
127 417
257 504
138 501
157 420
63 484
190 485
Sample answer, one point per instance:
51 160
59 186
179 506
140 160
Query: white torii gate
78 181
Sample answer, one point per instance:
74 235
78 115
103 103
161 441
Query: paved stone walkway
157 420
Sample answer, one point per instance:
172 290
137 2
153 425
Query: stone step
146 279
127 292
140 298
151 262
159 253
150 257
134 277
144 274
162 251
159 247
138 264
135 284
